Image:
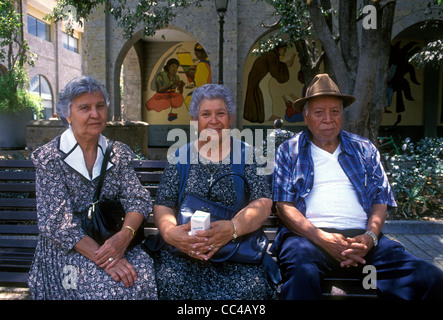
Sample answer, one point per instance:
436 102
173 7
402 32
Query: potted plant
17 105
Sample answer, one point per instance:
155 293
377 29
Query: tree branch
348 32
325 36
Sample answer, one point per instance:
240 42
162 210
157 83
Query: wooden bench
19 231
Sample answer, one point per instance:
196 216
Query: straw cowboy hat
322 85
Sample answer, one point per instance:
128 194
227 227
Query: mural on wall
399 66
258 106
292 115
166 97
174 85
199 74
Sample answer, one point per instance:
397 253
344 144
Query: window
38 28
39 85
70 43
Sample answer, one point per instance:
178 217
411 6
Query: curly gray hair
75 88
211 91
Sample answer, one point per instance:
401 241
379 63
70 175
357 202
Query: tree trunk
354 62
379 97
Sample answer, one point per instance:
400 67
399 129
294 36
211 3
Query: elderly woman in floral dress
184 269
68 264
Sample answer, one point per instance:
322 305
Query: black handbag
250 248
105 217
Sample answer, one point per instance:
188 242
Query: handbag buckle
91 209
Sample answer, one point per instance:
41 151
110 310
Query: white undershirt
333 201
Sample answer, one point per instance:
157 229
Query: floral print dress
180 277
63 190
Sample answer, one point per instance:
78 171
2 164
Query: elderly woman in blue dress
68 264
183 266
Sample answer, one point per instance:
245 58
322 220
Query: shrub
416 177
13 98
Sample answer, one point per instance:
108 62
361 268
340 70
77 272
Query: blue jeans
400 275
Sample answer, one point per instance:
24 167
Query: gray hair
211 91
75 88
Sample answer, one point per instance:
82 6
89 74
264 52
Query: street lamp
221 6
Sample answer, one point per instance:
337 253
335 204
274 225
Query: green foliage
294 23
14 50
416 177
147 14
13 98
431 54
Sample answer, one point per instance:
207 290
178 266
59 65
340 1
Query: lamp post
221 6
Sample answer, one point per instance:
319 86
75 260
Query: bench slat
18 215
16 279
18 229
17 187
149 176
17 202
17 175
150 164
22 164
18 243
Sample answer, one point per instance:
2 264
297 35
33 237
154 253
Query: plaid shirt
294 171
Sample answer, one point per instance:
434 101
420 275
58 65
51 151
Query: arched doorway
145 68
414 92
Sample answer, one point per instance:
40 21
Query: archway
414 92
137 67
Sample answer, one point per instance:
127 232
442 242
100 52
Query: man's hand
358 248
347 251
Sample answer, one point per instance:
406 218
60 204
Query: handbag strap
183 165
103 170
248 188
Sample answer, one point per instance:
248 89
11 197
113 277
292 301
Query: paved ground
423 239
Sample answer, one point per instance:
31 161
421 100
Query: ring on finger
191 252
212 247
111 259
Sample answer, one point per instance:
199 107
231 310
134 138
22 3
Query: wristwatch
373 236
234 235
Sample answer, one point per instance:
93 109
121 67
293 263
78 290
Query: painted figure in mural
201 73
399 66
167 82
258 97
291 114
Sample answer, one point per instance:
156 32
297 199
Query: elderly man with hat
332 195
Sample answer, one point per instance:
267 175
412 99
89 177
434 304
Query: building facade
136 63
58 55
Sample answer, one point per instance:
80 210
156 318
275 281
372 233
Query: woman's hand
113 249
178 236
124 271
217 236
119 268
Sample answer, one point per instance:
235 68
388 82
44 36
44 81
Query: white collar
75 158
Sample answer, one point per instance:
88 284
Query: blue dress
180 277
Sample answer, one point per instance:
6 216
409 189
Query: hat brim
347 100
